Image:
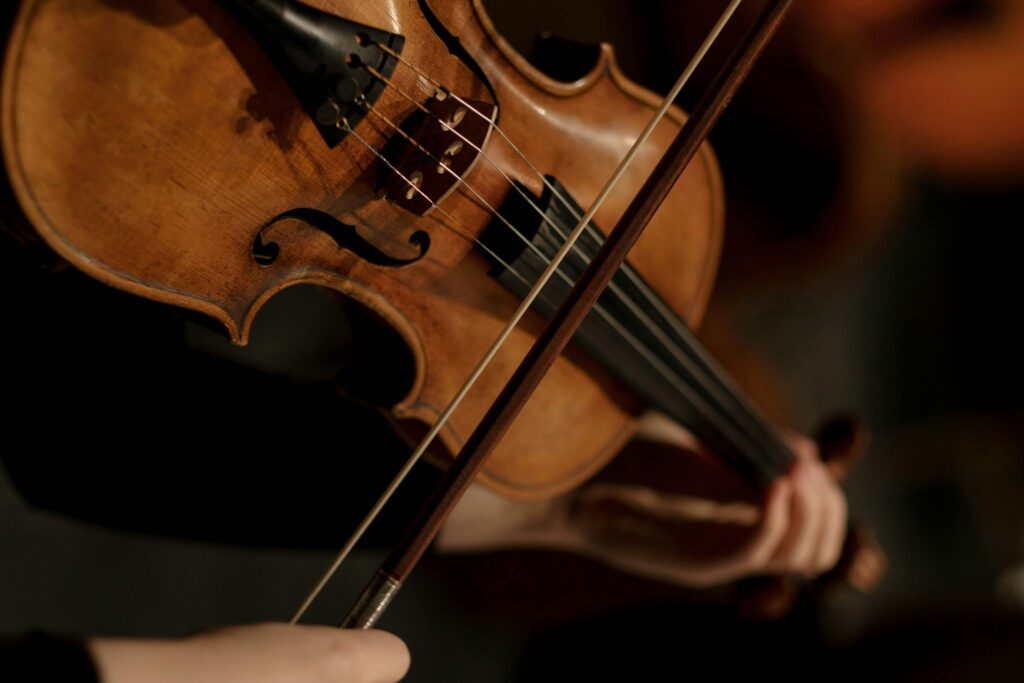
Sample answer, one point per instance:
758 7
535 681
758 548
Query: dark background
907 316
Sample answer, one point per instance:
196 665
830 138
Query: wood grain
149 143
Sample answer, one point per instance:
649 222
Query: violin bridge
433 150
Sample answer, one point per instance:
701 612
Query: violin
209 154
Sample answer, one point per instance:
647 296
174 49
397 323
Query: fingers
315 654
801 550
800 530
690 539
798 549
817 521
774 528
831 509
368 657
677 538
833 534
803 448
264 653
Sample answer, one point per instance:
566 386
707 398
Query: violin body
153 144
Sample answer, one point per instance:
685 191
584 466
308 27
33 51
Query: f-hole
346 236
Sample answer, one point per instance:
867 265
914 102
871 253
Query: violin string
712 413
513 322
411 462
742 409
700 364
404 471
702 51
453 224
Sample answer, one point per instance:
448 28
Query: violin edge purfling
174 197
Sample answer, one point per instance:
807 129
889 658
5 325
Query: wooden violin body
153 144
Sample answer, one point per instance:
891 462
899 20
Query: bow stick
383 587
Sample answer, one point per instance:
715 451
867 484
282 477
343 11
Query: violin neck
636 336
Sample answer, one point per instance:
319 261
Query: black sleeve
112 418
41 657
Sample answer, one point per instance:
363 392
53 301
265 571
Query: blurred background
874 169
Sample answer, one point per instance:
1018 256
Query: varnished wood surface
150 142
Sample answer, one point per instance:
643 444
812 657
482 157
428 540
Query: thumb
372 656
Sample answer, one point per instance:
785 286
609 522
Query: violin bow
393 572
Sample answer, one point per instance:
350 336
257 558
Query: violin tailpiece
323 58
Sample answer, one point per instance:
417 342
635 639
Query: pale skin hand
799 527
265 653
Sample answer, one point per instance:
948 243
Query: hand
951 94
689 538
707 529
267 653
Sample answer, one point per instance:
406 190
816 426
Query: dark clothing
123 423
40 657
